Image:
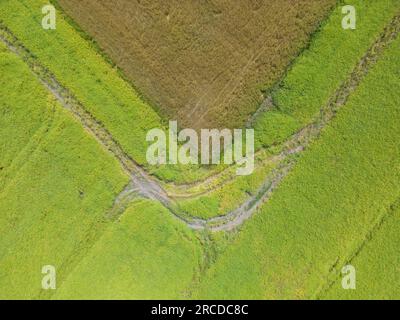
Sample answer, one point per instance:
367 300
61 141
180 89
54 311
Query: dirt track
146 186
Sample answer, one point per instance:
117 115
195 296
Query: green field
54 194
377 264
303 237
54 198
337 204
127 259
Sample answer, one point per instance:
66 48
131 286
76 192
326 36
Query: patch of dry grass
204 63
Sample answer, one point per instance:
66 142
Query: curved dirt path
144 185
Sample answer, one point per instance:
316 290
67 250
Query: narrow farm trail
146 186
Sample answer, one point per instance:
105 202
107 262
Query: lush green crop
148 254
54 198
377 265
325 209
55 192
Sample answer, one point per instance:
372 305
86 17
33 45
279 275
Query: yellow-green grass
377 265
342 185
148 254
56 183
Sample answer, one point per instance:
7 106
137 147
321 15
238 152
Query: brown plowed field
204 63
